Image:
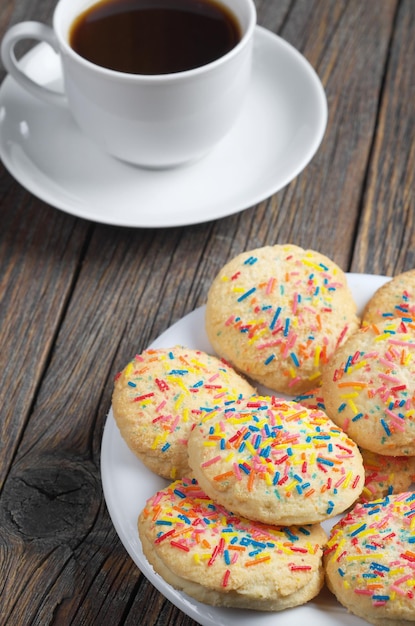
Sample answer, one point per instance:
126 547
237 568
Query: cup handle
39 32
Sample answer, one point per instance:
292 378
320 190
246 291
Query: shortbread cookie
277 462
369 388
221 559
383 474
395 298
278 313
386 475
161 394
370 560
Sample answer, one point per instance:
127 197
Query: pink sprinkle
398 589
174 424
270 286
396 342
397 421
211 461
161 405
392 379
219 395
237 471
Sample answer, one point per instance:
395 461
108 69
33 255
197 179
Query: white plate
127 484
278 132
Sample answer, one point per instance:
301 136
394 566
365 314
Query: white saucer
278 132
127 484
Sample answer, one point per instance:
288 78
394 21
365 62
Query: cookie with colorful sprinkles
277 462
385 475
222 559
396 298
277 314
370 560
369 388
162 393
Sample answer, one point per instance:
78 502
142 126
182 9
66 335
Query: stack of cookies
252 473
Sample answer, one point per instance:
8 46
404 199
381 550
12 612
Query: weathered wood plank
386 236
78 300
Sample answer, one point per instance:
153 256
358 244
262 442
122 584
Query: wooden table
79 299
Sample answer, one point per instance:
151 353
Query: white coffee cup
154 121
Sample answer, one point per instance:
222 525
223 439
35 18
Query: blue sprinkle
274 319
324 461
246 294
269 359
386 427
165 447
378 567
358 530
294 358
179 493
276 478
131 384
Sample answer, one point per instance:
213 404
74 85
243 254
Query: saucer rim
253 197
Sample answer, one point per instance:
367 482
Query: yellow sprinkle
362 557
359 365
160 440
198 364
353 406
348 479
291 485
382 337
311 264
268 479
315 375
339 548
250 448
128 369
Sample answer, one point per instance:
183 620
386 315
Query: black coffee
154 36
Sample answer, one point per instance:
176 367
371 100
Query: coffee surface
154 36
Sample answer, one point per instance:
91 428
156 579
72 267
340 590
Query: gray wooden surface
78 299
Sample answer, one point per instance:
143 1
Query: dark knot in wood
57 500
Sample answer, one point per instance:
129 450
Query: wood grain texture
78 300
386 243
